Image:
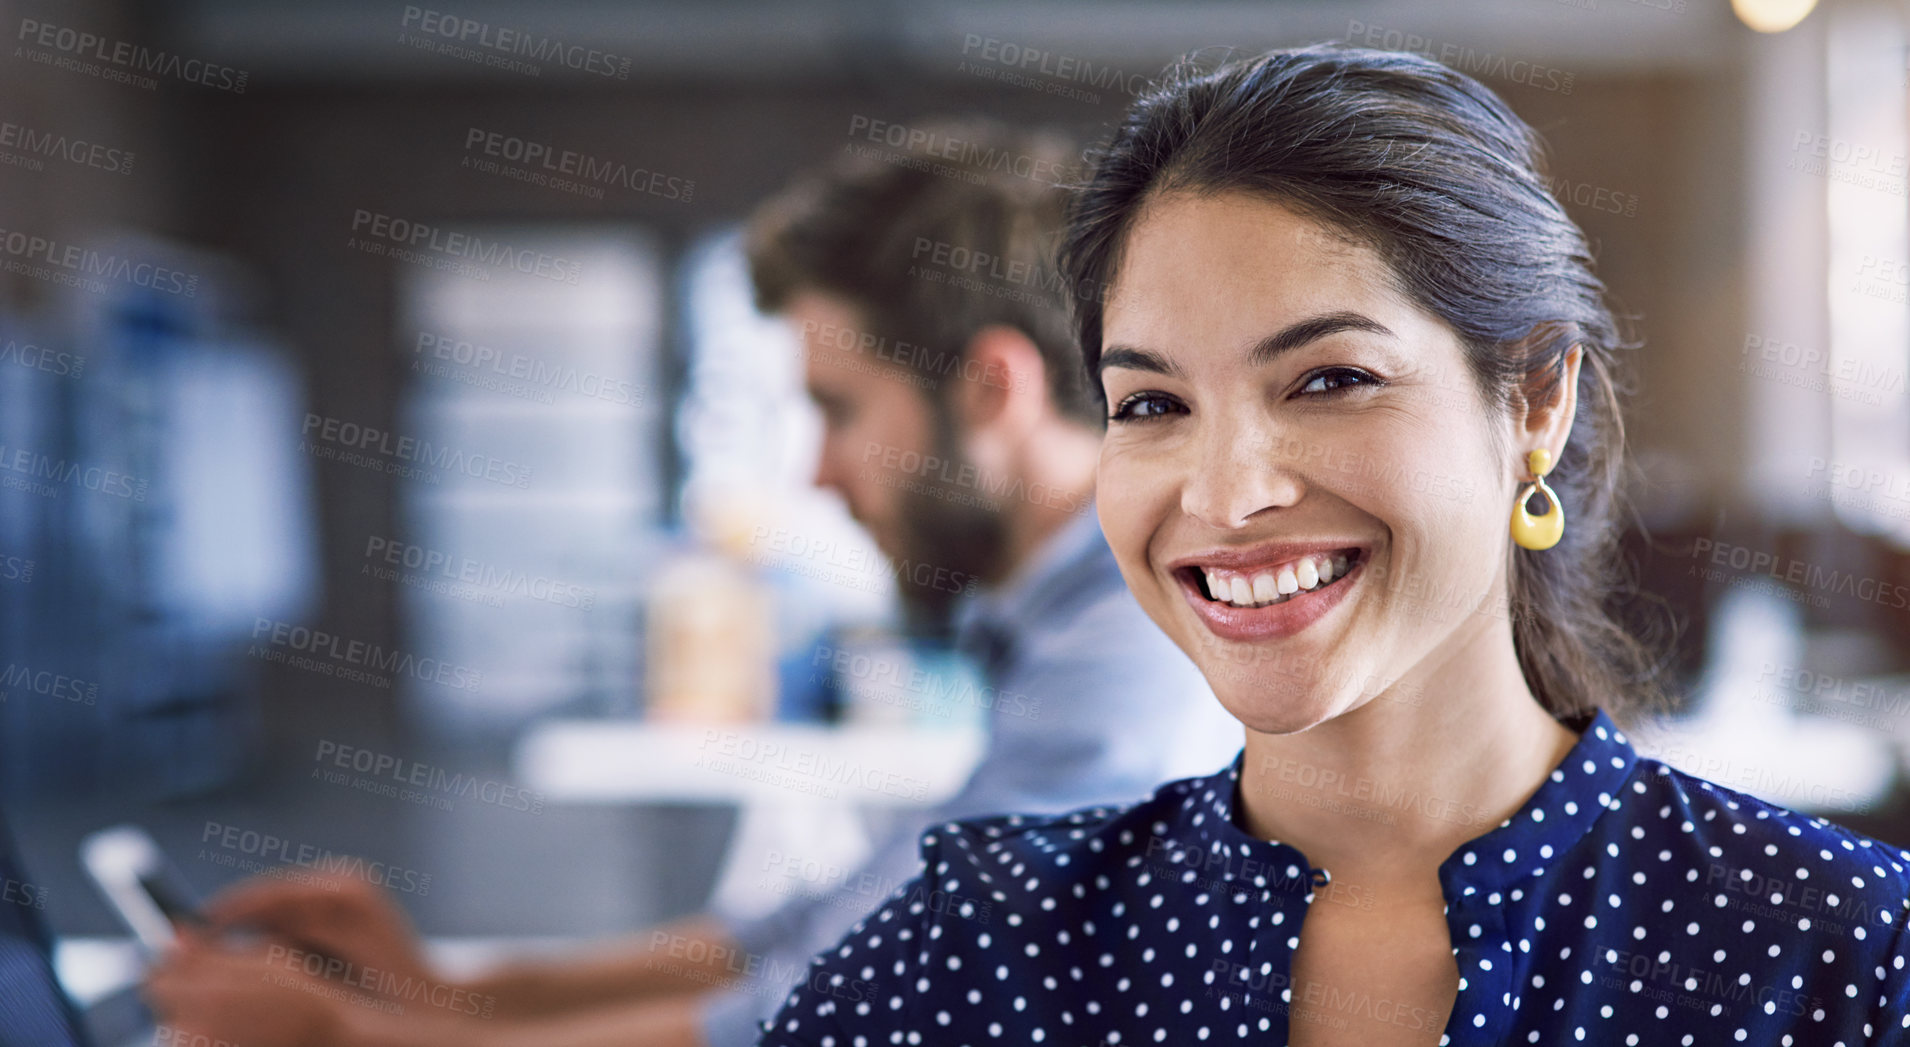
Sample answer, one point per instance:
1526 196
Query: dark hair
1436 174
949 230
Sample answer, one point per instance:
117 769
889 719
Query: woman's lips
1273 621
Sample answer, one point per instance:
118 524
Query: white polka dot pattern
1626 903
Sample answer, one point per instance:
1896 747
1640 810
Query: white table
617 761
92 969
801 790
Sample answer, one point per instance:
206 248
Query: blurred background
349 436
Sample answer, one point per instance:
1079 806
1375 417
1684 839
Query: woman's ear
1549 424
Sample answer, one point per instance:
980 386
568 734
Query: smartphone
143 887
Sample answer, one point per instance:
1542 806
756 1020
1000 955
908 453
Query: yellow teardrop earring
1545 530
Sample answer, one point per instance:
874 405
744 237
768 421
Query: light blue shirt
1098 707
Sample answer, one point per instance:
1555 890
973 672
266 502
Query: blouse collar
1561 812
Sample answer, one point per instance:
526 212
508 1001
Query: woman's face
1299 479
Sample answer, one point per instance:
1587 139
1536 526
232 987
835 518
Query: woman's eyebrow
1263 352
1312 329
1138 360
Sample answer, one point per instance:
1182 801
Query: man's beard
954 535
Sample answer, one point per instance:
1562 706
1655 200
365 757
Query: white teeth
1265 588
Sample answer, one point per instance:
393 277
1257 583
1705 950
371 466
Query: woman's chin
1278 714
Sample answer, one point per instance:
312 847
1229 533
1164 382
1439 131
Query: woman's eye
1336 380
1143 406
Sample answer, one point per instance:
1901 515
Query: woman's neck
1397 784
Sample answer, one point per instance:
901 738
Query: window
537 404
1867 477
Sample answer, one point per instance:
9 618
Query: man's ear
1548 424
1002 383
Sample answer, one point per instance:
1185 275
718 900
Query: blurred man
961 432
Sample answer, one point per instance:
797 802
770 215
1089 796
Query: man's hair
932 231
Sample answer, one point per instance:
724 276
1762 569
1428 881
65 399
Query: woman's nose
1239 471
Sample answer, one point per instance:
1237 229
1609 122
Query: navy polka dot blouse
1626 903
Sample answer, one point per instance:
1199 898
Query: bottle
711 649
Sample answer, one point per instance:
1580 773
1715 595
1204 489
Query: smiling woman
1348 329
1379 161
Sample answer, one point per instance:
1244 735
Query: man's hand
341 916
241 998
